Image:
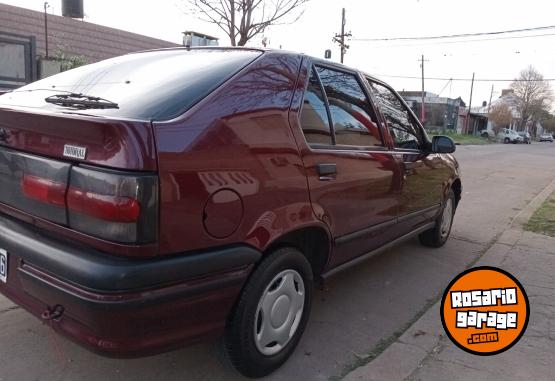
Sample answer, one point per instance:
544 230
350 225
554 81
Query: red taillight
44 190
103 207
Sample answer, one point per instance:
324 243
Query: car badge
75 152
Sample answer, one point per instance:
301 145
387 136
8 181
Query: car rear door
424 174
353 178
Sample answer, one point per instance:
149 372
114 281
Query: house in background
507 97
477 121
23 44
191 38
440 113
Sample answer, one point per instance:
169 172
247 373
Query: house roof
509 99
431 98
75 37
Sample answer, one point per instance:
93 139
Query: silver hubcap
279 312
447 218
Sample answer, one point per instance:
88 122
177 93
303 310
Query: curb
524 215
425 336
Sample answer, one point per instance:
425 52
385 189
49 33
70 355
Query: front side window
404 131
353 120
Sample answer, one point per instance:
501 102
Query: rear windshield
157 85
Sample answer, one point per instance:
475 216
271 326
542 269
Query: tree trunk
243 40
232 38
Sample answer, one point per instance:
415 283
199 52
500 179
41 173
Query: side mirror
443 144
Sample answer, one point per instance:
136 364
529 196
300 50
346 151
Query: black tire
437 236
239 340
506 141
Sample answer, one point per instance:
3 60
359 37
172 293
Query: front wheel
271 314
506 141
438 235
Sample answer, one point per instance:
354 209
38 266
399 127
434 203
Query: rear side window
314 116
157 85
354 123
403 130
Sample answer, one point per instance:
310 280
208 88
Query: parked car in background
546 137
485 133
526 137
507 135
158 198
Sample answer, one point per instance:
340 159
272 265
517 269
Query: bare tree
500 116
549 123
241 20
533 94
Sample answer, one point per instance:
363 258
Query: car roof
267 50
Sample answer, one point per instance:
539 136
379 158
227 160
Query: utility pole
342 34
469 105
489 106
490 96
340 38
423 112
46 6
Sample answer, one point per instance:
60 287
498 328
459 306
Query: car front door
424 174
353 178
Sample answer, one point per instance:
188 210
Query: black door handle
326 171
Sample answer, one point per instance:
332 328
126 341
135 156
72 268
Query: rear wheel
506 141
271 314
438 235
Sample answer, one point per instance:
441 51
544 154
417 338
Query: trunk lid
118 144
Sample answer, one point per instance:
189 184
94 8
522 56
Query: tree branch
245 18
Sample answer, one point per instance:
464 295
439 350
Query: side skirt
379 250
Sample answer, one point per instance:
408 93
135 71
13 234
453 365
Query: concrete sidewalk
423 352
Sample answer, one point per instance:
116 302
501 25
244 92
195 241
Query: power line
459 42
456 35
467 79
447 83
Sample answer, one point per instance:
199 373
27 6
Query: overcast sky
489 58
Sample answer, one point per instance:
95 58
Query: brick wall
75 37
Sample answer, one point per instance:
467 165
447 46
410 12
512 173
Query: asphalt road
357 313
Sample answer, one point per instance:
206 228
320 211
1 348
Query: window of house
404 131
314 116
354 122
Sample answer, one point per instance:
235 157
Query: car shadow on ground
351 314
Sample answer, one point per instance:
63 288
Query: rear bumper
119 306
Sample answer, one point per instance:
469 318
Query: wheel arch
313 241
456 185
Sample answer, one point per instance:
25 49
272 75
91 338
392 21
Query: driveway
359 311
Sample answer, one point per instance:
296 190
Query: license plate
3 266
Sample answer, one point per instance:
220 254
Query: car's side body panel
359 202
425 177
236 140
